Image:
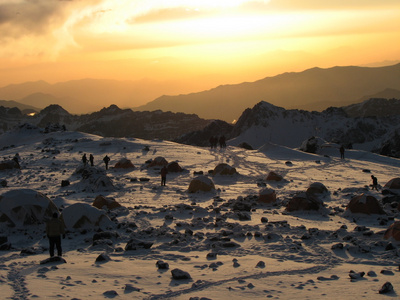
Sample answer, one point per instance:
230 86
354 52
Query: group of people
85 160
214 141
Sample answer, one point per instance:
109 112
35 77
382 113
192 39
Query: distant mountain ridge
372 125
109 122
352 126
318 87
312 89
87 95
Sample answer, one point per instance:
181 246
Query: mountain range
371 125
313 89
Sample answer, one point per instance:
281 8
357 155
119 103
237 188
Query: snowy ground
288 257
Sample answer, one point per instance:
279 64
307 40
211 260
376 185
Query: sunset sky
202 43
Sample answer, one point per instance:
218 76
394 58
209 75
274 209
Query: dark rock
57 259
103 258
162 265
260 264
179 274
65 183
134 244
245 145
3 183
110 294
386 288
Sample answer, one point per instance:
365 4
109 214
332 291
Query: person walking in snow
341 152
106 160
84 159
55 229
374 183
164 172
91 159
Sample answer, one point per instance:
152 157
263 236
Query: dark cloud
35 17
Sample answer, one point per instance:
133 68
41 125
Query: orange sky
202 43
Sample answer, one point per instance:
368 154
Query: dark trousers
163 180
55 241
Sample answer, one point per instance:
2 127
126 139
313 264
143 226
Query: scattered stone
65 183
162 265
110 294
58 259
260 264
103 258
386 288
179 274
337 246
264 220
211 255
387 272
354 275
129 288
134 244
371 274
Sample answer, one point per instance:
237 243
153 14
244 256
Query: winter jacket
55 227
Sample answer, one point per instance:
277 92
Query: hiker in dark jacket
91 159
341 152
84 159
164 172
374 182
55 229
106 160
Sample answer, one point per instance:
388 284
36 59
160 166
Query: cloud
167 14
296 5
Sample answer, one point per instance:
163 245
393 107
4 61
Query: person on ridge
91 159
84 159
374 183
106 160
164 173
54 229
341 152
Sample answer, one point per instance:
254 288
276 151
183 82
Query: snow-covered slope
231 245
268 123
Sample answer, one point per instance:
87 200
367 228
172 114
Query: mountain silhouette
312 89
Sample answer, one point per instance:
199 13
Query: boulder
393 184
393 231
317 188
135 244
85 216
9 164
267 196
224 169
365 204
174 167
25 207
103 202
179 274
124 163
272 176
201 184
158 162
304 201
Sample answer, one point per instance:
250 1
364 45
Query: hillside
314 89
230 243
